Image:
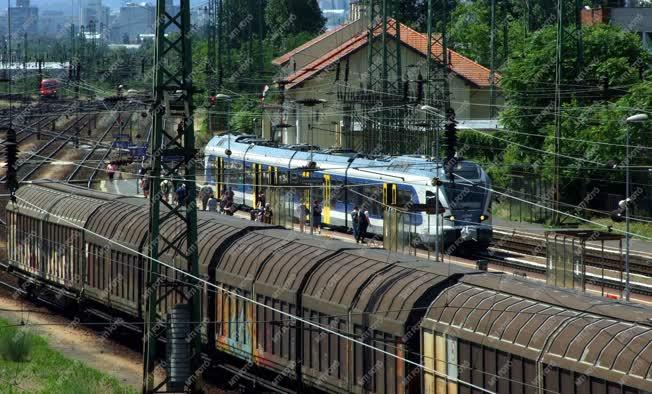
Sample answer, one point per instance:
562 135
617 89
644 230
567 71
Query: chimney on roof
357 10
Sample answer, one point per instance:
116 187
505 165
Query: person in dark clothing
355 221
205 192
316 216
268 214
261 199
182 195
363 224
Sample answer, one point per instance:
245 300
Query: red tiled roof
459 64
279 61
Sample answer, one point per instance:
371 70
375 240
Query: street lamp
227 98
436 182
638 118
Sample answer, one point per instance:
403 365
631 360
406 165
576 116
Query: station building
316 70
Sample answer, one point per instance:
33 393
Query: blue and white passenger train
348 179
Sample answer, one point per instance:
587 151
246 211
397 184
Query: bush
15 345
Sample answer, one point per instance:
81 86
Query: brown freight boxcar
509 335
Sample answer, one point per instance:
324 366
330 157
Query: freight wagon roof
535 324
214 234
58 203
123 222
240 265
394 299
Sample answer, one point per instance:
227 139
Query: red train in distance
49 88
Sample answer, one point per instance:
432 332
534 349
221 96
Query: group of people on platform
301 212
262 213
360 223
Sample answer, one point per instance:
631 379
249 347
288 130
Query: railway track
86 169
29 166
535 245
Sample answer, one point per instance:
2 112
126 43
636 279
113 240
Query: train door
305 193
326 200
258 181
390 191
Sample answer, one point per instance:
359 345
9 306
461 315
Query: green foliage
293 17
591 118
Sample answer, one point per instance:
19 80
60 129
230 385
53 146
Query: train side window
337 191
404 197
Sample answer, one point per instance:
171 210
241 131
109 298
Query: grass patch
15 345
34 367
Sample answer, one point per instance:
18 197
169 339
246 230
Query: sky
115 4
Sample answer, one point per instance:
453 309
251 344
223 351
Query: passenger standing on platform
268 214
261 199
212 204
110 171
355 222
205 193
300 213
316 216
363 224
182 195
145 186
166 185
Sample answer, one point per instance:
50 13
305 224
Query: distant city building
53 23
132 20
24 18
136 20
93 13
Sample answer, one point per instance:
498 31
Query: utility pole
497 13
211 35
383 108
569 28
172 228
438 91
220 44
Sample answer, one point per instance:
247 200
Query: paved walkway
536 228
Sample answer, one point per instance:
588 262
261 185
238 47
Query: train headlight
484 217
451 218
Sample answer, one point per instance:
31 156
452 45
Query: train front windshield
463 195
466 190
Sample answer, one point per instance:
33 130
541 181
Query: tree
594 102
293 16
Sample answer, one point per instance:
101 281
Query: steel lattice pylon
383 107
172 230
569 29
437 87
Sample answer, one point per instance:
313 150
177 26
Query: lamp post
226 98
437 182
638 118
